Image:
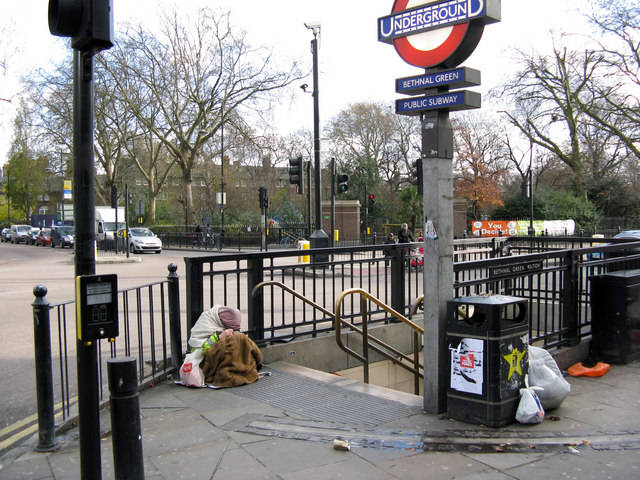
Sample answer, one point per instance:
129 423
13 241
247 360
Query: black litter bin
615 316
488 339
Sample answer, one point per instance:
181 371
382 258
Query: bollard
126 432
44 378
174 316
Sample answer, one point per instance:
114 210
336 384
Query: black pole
44 377
128 463
85 261
332 234
319 238
222 199
174 315
126 218
307 165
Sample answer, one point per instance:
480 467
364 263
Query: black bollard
125 419
44 378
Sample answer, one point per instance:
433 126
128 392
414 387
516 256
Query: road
22 267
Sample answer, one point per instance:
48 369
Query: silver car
142 239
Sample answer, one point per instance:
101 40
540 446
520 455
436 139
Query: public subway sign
457 78
435 15
460 100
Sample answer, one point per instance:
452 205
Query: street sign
460 100
437 33
457 78
67 191
436 15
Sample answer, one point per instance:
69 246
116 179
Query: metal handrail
375 344
397 357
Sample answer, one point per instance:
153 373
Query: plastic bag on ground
544 372
190 372
530 409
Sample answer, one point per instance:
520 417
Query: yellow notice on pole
336 235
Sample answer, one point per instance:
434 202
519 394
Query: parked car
629 235
5 235
33 234
141 239
43 238
62 236
20 233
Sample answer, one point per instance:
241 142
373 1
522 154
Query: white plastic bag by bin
530 409
544 372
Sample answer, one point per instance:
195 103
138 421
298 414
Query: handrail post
195 296
44 378
174 315
365 336
255 272
398 279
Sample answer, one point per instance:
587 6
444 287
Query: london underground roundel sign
437 33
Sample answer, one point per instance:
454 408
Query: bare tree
546 93
480 162
199 73
619 47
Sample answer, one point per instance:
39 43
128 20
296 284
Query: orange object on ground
598 370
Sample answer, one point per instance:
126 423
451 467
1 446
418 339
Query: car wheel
131 248
158 251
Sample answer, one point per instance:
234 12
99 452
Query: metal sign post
447 32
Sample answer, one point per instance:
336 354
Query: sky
353 65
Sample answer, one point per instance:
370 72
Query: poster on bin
467 366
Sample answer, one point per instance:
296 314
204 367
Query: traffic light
89 23
417 174
263 198
371 200
296 174
343 184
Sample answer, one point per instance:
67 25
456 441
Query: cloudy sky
354 66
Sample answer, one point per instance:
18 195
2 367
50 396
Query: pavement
284 427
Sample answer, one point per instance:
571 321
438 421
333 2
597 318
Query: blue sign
458 78
436 15
461 100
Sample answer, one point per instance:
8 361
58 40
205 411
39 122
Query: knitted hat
230 317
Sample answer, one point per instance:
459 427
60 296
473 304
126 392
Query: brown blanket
234 360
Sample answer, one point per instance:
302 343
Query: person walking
405 235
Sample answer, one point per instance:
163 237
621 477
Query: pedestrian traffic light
263 198
89 23
417 176
372 200
343 184
296 174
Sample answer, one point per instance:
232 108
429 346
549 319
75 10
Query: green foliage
412 207
27 174
288 213
562 205
551 204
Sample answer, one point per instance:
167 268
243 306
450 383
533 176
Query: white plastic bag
529 409
190 372
544 372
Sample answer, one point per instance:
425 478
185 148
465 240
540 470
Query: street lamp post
319 238
222 199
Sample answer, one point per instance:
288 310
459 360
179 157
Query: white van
106 222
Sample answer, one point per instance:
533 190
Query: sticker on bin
467 367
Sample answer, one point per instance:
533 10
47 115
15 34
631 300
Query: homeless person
230 357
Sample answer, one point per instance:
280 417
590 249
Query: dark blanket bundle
234 360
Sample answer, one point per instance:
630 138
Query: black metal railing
556 284
392 273
149 317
